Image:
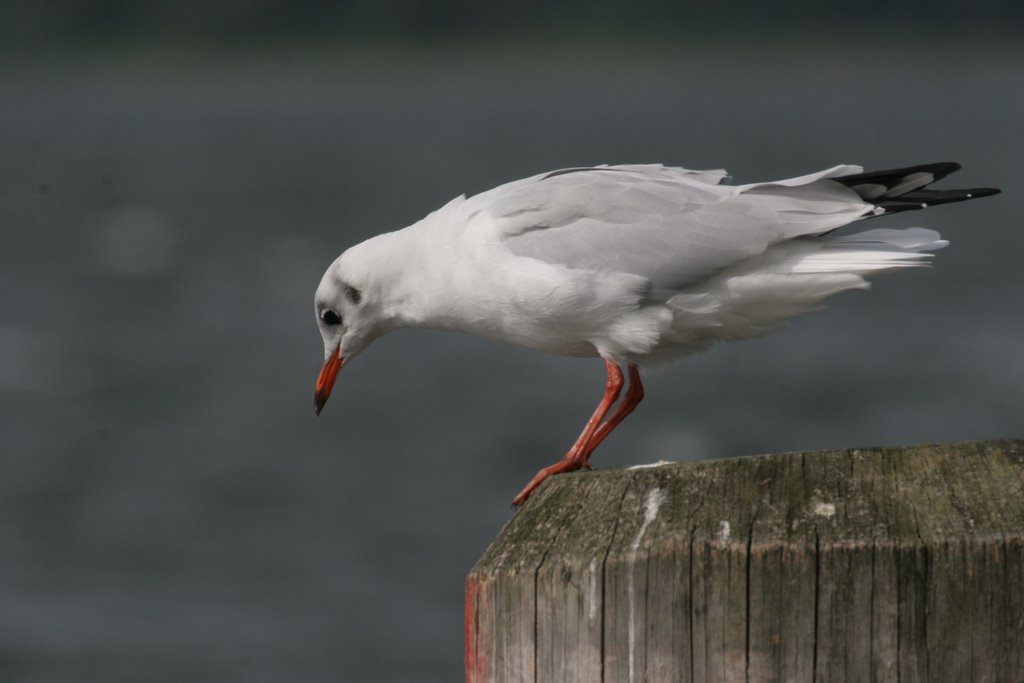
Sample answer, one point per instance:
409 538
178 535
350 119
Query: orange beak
325 381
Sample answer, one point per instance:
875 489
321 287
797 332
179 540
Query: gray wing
672 226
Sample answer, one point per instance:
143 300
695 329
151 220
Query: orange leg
579 454
631 400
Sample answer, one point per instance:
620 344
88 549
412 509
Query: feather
669 226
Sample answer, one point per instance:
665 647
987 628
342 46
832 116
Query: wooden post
853 565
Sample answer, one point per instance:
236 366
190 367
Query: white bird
636 264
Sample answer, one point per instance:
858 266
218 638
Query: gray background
172 186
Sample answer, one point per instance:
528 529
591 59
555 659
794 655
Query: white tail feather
917 239
791 278
862 253
861 261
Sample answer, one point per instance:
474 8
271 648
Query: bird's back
682 260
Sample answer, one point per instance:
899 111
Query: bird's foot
564 465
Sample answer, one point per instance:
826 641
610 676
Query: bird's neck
418 283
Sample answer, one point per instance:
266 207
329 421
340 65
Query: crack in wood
892 584
817 602
604 574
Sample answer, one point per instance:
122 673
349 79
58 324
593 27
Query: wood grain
848 565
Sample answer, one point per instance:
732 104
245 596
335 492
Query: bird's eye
330 317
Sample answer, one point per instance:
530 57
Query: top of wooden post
863 495
845 565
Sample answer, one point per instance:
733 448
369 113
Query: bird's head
348 318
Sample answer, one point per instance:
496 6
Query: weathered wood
857 565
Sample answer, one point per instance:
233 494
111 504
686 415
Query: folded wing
673 226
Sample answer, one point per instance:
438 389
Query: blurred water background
174 181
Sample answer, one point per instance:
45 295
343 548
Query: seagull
636 264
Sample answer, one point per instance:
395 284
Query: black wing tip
922 199
938 169
908 188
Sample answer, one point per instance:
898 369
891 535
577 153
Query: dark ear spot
353 294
